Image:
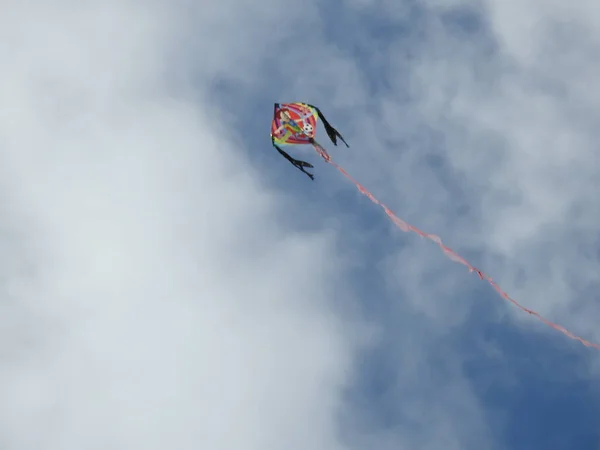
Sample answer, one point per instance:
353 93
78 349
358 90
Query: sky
169 281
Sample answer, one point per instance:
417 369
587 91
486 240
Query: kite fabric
296 123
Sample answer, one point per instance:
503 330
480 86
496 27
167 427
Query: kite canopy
296 124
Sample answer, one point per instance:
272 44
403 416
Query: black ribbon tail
300 165
331 132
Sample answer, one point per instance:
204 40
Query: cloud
151 298
521 104
169 283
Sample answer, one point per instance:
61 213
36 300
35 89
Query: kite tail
447 251
331 132
321 151
300 165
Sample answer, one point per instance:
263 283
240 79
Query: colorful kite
296 124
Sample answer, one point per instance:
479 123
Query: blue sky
169 281
531 387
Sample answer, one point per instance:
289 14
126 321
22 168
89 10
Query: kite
296 124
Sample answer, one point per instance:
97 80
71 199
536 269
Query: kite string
405 227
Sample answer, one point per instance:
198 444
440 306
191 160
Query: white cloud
153 295
150 298
537 199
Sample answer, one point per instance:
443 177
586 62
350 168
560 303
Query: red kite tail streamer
449 252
